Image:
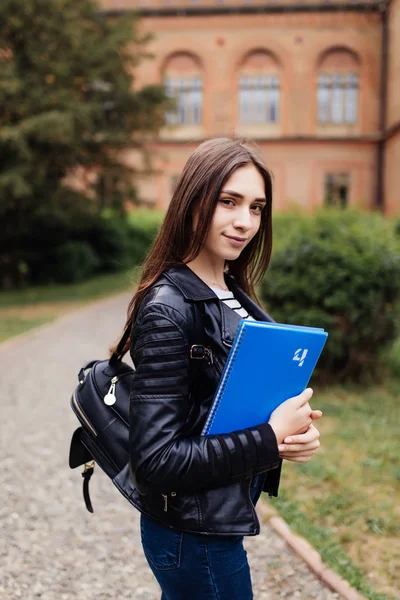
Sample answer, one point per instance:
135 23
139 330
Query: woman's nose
242 219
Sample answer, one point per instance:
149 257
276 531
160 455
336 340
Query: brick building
316 85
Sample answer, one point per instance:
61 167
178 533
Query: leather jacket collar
195 289
192 287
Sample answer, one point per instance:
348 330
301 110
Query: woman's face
237 214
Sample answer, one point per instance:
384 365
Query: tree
67 101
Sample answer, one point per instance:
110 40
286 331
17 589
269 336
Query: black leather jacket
190 482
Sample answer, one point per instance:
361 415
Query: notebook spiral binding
214 408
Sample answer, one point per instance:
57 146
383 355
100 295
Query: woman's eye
224 200
259 207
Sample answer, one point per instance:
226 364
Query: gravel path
50 546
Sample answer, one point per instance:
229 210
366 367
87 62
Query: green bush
392 358
70 262
70 233
146 218
124 241
341 271
74 233
143 226
110 239
285 223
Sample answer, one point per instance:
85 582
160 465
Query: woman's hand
315 414
292 416
300 448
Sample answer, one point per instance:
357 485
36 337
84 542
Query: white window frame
259 99
337 98
188 95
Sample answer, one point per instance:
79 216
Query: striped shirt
229 299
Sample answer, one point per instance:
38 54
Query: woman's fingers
316 414
311 434
299 448
303 398
292 456
299 459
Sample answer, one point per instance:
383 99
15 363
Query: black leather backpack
101 403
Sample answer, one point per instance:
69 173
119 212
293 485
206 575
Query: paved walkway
50 546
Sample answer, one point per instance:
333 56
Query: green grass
22 310
332 552
345 501
96 287
11 326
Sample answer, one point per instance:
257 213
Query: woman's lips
237 242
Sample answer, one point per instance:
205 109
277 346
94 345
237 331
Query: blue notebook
267 364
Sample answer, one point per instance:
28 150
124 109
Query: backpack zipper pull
110 397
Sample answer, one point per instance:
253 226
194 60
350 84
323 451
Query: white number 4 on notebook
302 357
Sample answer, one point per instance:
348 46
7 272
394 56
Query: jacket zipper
82 414
165 496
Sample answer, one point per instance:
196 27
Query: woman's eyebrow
240 196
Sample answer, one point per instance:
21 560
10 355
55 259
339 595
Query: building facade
316 86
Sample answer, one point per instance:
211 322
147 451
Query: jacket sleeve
161 457
271 484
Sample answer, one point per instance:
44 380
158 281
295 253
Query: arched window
338 88
184 84
259 89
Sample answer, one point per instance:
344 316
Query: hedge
62 248
339 270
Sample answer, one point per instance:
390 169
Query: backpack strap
117 355
197 348
80 455
197 351
87 473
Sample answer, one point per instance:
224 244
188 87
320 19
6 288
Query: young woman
197 493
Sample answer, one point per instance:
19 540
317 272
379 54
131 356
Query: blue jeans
188 566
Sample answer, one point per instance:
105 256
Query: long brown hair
198 188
